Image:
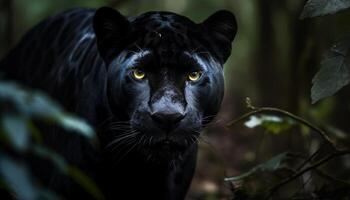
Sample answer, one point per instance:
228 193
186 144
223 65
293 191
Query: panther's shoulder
42 46
66 24
50 56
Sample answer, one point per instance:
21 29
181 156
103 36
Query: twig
309 158
300 171
329 177
285 113
303 185
314 166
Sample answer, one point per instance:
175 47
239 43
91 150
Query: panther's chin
166 152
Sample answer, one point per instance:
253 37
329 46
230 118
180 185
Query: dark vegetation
298 152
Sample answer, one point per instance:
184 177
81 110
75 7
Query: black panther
147 84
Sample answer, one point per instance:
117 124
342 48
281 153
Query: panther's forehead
166 33
158 20
164 40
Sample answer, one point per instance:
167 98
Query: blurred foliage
271 165
314 8
333 75
21 110
272 124
266 180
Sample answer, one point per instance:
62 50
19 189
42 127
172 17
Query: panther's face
165 76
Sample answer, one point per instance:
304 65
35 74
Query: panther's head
165 75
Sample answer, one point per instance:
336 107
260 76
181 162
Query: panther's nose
166 120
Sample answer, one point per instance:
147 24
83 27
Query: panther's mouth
165 150
168 145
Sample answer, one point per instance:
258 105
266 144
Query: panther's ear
111 29
222 27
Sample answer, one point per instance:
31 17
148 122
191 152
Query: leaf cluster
335 67
21 110
297 170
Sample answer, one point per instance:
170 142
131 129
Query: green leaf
33 104
52 156
48 195
271 123
255 121
77 125
18 178
37 105
315 8
334 73
77 175
16 131
271 165
84 181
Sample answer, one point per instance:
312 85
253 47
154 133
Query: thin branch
329 177
285 113
300 170
305 183
312 167
309 158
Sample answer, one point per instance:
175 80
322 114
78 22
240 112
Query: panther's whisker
213 123
204 52
122 148
191 138
209 119
209 116
122 143
104 121
120 122
144 141
119 125
142 52
194 138
125 133
121 158
120 128
150 140
141 139
148 157
130 51
126 142
105 127
123 137
194 50
185 141
202 139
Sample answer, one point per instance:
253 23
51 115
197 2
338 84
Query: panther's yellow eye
194 76
138 74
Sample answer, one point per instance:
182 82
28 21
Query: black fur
85 58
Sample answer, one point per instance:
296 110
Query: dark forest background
268 153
